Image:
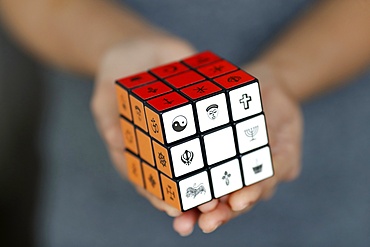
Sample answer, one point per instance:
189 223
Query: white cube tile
186 157
245 101
219 145
257 166
179 123
212 112
226 178
195 190
251 133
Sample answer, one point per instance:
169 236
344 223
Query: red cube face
194 130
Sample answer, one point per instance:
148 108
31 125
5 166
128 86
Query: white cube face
195 190
257 166
251 133
226 178
186 157
219 145
245 101
212 112
179 123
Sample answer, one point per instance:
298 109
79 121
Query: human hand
124 59
284 124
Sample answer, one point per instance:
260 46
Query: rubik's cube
193 130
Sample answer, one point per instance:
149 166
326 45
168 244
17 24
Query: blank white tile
226 178
179 123
245 101
219 145
186 157
195 190
212 112
257 166
251 133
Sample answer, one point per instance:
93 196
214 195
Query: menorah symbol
251 132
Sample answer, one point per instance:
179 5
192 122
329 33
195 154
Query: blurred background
58 187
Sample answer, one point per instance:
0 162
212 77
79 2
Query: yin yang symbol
179 123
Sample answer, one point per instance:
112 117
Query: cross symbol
170 192
167 101
245 101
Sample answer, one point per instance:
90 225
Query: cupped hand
284 124
126 58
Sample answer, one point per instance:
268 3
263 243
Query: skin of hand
284 127
284 124
124 59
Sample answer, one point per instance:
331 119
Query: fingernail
240 207
173 213
185 234
213 229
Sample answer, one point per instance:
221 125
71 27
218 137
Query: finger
209 206
159 204
184 224
210 221
245 197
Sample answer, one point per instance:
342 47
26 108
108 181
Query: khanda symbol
187 157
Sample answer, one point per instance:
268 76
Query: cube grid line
193 130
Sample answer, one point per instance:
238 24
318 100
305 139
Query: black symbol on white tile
212 111
138 112
179 123
162 159
245 101
152 90
152 181
154 125
201 89
234 78
187 157
226 177
195 190
170 192
257 168
251 132
167 101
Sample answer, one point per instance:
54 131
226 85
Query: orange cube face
194 130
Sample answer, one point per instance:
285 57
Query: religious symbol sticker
226 178
212 111
179 123
195 190
251 132
187 157
245 101
154 125
257 168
